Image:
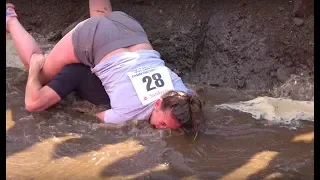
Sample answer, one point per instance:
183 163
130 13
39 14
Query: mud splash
273 109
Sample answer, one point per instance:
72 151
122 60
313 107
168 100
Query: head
177 109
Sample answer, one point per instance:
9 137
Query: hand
36 62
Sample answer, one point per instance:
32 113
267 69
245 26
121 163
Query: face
162 119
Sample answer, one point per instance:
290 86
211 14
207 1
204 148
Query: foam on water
274 109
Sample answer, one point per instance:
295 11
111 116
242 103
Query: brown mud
233 50
66 142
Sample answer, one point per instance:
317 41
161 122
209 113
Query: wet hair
185 108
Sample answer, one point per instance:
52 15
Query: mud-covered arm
38 98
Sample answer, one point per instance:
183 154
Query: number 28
157 80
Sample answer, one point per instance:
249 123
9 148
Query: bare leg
23 41
62 54
99 7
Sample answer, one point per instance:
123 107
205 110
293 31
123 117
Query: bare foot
10 14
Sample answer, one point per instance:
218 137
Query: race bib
150 83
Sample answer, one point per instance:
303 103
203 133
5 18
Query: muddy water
65 142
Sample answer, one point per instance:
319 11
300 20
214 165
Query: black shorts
79 78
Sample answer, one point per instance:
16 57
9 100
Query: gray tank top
125 104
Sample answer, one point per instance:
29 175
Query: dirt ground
247 44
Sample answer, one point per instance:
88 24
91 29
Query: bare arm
100 116
38 98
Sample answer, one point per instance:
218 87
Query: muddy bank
238 44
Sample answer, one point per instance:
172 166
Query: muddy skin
228 51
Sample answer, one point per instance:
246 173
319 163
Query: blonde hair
185 108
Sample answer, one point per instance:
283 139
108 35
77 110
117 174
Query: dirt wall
251 44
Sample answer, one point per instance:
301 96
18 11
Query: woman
134 76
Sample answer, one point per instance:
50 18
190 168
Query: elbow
32 107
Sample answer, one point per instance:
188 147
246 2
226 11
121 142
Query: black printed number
157 80
148 80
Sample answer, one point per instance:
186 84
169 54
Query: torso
113 74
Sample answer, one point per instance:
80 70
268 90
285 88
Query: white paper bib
150 83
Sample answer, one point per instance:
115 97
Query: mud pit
252 45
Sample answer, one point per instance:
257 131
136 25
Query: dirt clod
303 8
298 21
283 73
